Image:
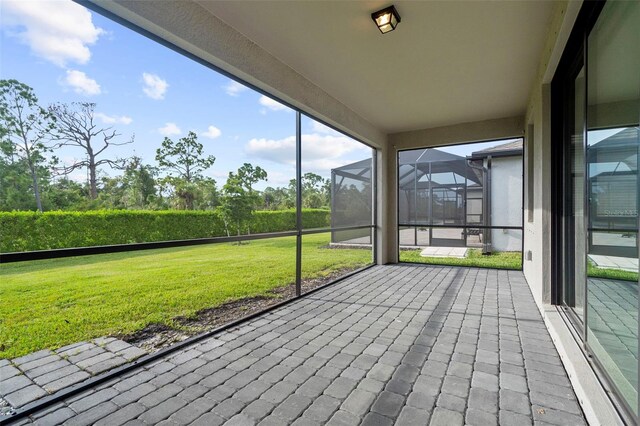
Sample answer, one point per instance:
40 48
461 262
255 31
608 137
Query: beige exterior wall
478 131
537 233
593 398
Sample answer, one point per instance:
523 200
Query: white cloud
320 153
281 151
170 129
271 104
212 132
234 88
81 83
113 119
58 31
154 86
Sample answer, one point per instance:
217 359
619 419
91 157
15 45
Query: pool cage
440 196
351 203
443 199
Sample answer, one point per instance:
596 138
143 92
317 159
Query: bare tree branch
76 127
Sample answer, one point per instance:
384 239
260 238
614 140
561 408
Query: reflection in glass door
601 195
612 283
613 144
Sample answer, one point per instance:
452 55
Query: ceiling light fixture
386 19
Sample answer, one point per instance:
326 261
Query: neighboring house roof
511 148
620 147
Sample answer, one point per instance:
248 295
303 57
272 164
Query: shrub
28 231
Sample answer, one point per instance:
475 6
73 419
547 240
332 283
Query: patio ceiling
447 63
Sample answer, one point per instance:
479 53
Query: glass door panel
574 289
612 187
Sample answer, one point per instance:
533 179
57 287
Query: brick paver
36 375
391 345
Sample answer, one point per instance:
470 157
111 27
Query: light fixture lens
383 19
386 19
386 28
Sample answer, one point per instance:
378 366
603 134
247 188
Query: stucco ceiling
447 62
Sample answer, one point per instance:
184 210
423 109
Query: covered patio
553 344
394 344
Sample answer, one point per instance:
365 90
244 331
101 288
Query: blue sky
69 54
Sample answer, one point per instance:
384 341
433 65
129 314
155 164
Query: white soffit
447 62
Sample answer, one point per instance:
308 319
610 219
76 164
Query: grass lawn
52 303
502 260
612 274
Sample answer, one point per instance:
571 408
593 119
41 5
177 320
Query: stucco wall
537 232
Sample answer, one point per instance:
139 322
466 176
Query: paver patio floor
396 344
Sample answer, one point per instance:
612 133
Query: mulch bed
157 336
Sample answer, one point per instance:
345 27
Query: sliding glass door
601 115
613 102
574 294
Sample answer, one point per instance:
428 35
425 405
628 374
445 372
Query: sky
144 90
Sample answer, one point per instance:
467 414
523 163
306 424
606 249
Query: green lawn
502 260
612 274
52 303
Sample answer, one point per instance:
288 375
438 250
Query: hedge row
27 231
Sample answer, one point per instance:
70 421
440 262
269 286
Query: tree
24 126
139 184
278 198
185 157
314 193
76 126
238 199
250 175
311 182
184 162
16 187
236 205
65 194
207 194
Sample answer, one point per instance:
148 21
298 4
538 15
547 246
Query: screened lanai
351 203
444 199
